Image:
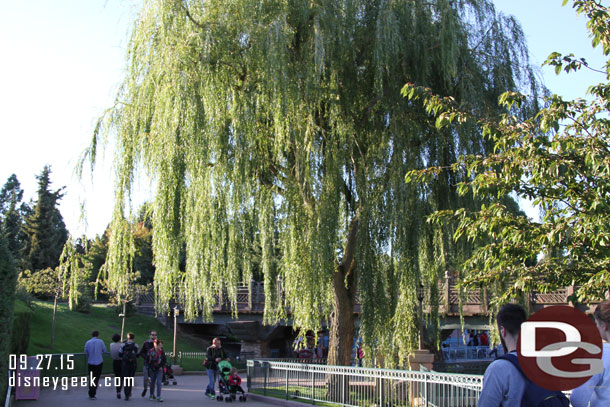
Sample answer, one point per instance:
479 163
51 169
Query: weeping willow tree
279 126
70 273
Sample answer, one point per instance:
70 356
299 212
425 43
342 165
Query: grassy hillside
73 329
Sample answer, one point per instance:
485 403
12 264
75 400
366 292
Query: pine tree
44 229
95 257
285 119
12 212
8 280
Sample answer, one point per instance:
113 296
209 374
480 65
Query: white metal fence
357 386
463 352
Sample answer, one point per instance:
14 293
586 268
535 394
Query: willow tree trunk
342 318
123 321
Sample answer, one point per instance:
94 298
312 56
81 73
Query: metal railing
238 361
464 352
190 355
318 361
357 386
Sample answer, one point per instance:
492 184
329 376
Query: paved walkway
189 392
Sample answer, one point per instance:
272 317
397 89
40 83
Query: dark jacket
125 352
146 347
212 353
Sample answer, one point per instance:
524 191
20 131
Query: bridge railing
358 386
252 298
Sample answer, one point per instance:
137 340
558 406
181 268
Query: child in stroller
235 385
168 374
224 387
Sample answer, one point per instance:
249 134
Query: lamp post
176 313
420 298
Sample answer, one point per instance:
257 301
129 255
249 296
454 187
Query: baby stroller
226 392
168 374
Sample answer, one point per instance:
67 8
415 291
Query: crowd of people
504 383
125 361
309 348
476 338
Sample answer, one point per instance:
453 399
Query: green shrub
23 295
8 281
20 337
84 305
130 309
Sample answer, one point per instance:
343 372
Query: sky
63 60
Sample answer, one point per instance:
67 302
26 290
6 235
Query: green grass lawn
73 329
280 394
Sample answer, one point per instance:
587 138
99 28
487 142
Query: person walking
504 383
94 349
214 354
146 347
596 391
129 363
117 363
156 363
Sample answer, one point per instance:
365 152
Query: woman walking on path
214 354
156 361
117 363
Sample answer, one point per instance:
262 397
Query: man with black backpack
504 383
129 356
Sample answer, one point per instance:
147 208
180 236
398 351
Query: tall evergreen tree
95 257
8 280
286 118
44 229
12 212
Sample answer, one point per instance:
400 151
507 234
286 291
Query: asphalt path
189 392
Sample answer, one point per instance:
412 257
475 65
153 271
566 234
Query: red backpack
154 359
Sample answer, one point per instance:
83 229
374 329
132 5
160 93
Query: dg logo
559 348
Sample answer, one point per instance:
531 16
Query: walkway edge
275 401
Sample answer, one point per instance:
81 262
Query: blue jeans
155 381
145 376
213 376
